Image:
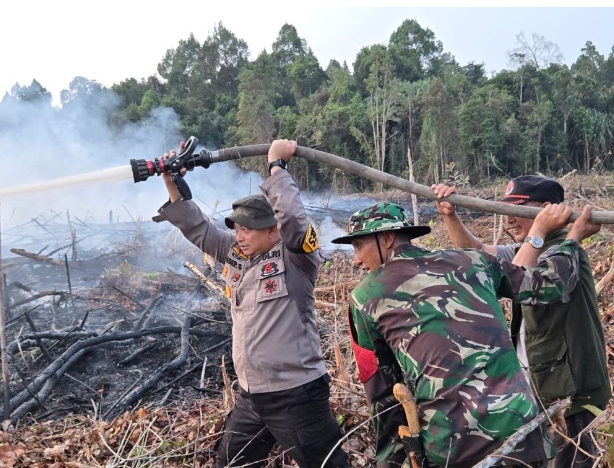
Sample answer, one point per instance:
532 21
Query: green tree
439 141
330 120
414 51
481 123
587 70
131 90
297 66
412 99
79 89
537 115
565 94
221 59
35 92
178 66
255 118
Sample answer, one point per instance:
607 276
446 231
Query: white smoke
40 143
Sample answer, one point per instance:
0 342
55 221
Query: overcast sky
54 41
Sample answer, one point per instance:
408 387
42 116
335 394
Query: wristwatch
278 162
535 241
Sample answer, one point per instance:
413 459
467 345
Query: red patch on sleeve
366 360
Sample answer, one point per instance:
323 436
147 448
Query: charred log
134 395
43 384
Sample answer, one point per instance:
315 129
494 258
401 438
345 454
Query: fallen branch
47 388
206 282
139 324
38 258
134 395
129 297
192 369
136 354
60 364
38 296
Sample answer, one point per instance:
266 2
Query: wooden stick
205 281
38 296
6 389
136 354
72 300
38 258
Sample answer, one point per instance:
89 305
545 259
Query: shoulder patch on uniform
311 240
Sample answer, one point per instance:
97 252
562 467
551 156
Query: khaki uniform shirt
276 344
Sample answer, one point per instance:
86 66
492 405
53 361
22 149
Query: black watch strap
278 162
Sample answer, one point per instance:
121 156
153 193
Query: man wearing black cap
270 267
561 345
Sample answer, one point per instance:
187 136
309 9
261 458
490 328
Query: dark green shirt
564 340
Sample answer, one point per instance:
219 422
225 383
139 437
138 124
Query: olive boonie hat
528 188
380 217
252 212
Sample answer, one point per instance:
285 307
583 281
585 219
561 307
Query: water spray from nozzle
142 169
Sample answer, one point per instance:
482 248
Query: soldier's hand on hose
444 208
553 216
583 227
173 192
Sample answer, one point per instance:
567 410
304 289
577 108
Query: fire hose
142 169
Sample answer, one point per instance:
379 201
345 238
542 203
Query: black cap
528 188
252 212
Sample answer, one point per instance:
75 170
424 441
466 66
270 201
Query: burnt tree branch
134 395
61 364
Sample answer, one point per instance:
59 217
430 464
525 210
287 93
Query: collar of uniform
405 249
269 253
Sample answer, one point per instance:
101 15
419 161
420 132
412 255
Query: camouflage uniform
433 320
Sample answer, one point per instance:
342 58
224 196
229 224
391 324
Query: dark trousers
299 419
568 456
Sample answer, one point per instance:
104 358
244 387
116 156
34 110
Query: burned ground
138 395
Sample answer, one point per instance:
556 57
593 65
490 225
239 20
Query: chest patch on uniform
225 271
269 269
228 292
271 254
236 277
311 240
270 286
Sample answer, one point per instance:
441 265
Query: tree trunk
414 198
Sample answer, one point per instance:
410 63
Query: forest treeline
405 104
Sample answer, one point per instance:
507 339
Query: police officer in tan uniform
270 267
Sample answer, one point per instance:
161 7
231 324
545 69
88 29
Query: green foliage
414 51
429 241
406 97
456 177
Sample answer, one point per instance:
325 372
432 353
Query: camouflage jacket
433 320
